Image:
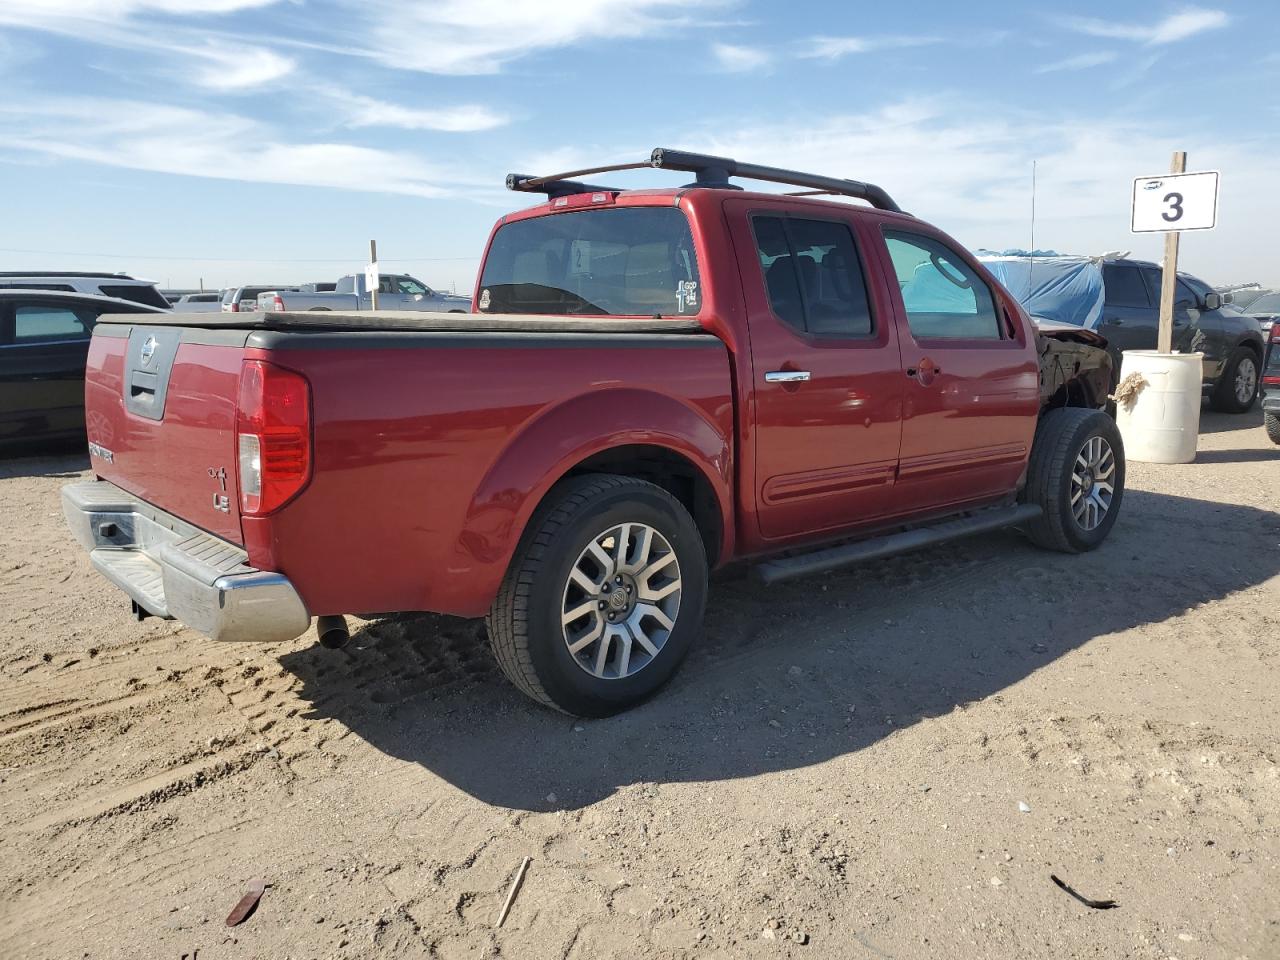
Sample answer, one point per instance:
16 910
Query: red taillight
235 307
277 303
273 436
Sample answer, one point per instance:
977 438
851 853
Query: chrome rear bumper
176 571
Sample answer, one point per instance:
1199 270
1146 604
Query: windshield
637 261
1265 305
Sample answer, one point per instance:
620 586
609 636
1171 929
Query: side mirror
1214 301
1228 298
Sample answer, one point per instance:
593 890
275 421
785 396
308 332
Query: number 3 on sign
1175 201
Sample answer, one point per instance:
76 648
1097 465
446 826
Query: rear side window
945 298
47 324
813 275
637 261
138 293
1123 286
37 286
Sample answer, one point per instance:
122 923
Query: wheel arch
683 449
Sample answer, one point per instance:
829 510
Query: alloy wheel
621 601
1093 483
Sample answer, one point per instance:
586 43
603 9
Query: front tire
1076 476
1237 389
604 596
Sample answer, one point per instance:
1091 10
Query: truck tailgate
160 408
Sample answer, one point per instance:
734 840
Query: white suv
119 285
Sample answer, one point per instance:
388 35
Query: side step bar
831 558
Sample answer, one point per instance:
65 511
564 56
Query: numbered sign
1175 201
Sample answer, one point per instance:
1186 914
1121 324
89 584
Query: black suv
1231 342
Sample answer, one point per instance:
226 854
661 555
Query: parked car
1271 385
118 285
1266 310
657 383
1120 299
244 299
396 291
44 338
198 303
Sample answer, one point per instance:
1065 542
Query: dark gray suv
1232 343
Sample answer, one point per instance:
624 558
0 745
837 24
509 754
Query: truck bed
409 320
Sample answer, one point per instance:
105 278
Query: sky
266 141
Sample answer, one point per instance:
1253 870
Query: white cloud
370 112
230 68
46 13
732 58
175 140
834 48
1082 61
481 36
1177 26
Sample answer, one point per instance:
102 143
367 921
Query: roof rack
710 172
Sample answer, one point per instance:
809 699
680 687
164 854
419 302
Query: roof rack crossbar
701 163
711 172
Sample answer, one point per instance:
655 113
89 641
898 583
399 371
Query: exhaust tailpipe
333 631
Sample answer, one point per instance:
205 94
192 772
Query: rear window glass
138 293
1123 286
40 324
622 262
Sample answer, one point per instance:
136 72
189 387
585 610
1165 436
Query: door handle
786 376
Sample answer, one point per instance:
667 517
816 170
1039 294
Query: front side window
813 275
407 285
945 298
1123 286
636 262
41 324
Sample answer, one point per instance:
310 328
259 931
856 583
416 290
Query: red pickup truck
653 384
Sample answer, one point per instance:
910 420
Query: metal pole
373 258
1169 278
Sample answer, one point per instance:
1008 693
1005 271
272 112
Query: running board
831 558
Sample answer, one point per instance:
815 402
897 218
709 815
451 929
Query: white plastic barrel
1162 423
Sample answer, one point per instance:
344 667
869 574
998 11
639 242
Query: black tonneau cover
407 320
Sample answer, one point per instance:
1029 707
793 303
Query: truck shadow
794 675
44 460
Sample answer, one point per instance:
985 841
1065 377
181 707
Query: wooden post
1169 278
373 258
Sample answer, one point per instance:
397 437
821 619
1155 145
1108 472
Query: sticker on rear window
686 295
484 299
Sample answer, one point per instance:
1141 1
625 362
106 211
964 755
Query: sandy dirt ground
839 770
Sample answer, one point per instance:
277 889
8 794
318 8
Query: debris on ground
248 902
516 881
1095 904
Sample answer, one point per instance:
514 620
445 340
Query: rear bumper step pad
179 572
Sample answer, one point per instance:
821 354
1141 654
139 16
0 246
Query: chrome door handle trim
786 376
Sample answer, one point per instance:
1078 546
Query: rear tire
626 558
1272 424
1076 476
1237 389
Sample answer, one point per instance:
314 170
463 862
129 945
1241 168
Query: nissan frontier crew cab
653 383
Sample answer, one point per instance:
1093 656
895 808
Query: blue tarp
1065 289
